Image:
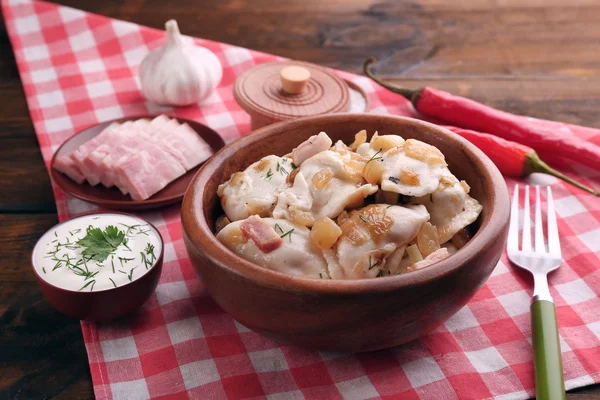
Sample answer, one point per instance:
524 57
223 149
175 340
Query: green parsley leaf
100 244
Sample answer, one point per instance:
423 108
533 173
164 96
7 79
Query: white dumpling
471 211
324 186
370 235
254 190
412 169
379 144
450 207
296 255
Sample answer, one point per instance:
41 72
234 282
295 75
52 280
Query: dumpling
254 191
412 169
370 235
378 145
294 255
324 186
450 207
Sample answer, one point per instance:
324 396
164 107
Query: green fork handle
549 384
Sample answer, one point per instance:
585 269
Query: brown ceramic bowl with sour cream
344 315
107 304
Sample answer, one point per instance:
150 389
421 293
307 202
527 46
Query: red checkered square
192 350
242 386
168 383
158 361
312 375
239 364
79 69
226 345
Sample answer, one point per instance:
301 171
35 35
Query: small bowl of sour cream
98 266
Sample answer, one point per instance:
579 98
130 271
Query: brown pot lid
260 92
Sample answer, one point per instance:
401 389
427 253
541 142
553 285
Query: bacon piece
261 233
315 144
66 165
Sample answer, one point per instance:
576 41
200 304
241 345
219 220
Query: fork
540 260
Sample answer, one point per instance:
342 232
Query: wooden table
521 56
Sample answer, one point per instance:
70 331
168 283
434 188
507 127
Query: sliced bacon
315 144
262 234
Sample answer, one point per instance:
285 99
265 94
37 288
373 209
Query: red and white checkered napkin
79 69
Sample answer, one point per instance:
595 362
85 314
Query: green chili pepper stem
533 163
412 95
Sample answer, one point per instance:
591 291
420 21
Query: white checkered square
293 395
515 303
221 120
187 329
82 41
119 349
169 292
576 291
463 319
91 66
43 75
109 113
130 390
591 239
27 24
486 360
99 89
199 373
357 389
422 371
268 360
568 206
135 56
500 269
51 99
70 14
170 254
595 328
237 55
58 124
35 53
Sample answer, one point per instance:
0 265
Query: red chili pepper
513 159
543 136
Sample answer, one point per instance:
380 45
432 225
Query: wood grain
531 57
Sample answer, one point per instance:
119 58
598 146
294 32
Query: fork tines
552 228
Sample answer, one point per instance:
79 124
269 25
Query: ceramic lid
260 91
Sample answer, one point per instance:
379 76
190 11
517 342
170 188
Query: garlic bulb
179 73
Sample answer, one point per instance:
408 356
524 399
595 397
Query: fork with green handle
540 259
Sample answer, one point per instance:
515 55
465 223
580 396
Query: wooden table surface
530 57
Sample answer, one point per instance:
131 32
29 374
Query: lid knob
294 79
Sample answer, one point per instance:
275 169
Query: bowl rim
159 258
196 228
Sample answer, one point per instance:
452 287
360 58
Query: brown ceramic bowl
344 315
102 305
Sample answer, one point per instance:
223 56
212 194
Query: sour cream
63 260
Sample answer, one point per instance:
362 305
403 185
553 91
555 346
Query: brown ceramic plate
111 197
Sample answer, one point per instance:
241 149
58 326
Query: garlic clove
179 73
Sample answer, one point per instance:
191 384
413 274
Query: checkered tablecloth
79 69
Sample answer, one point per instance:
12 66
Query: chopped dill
269 175
288 233
363 218
380 273
375 158
371 265
113 282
